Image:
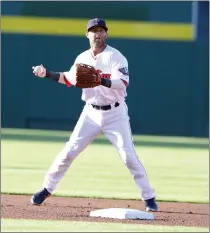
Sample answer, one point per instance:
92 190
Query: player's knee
73 149
72 146
131 161
129 164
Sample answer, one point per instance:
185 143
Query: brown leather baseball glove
86 76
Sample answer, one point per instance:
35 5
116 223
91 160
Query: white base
120 213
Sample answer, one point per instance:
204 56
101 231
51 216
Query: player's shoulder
116 54
114 51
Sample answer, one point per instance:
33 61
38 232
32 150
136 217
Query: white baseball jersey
110 64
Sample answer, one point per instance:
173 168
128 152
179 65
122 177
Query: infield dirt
78 209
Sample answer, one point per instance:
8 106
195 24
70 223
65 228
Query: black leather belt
105 107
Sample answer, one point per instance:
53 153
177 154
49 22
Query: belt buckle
116 104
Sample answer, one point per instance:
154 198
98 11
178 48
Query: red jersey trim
68 84
126 84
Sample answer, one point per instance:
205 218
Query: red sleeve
68 84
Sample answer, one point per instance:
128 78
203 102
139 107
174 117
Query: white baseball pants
114 124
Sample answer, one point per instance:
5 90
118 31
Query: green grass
61 136
178 173
16 225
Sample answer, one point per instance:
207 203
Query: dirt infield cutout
78 209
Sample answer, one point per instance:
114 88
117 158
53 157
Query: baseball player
102 73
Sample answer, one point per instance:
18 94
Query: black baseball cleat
39 197
150 205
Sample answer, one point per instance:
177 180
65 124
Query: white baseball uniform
113 123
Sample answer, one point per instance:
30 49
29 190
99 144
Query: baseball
38 69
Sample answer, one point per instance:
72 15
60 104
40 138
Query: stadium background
166 44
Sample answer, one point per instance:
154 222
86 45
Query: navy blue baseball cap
96 22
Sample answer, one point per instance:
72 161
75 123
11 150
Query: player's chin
99 43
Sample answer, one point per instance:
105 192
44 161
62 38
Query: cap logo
96 21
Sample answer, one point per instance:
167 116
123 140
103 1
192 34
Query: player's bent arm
58 77
63 80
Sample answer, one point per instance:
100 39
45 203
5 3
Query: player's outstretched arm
42 72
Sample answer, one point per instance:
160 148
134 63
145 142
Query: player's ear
86 34
107 34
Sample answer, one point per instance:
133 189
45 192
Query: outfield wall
168 91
